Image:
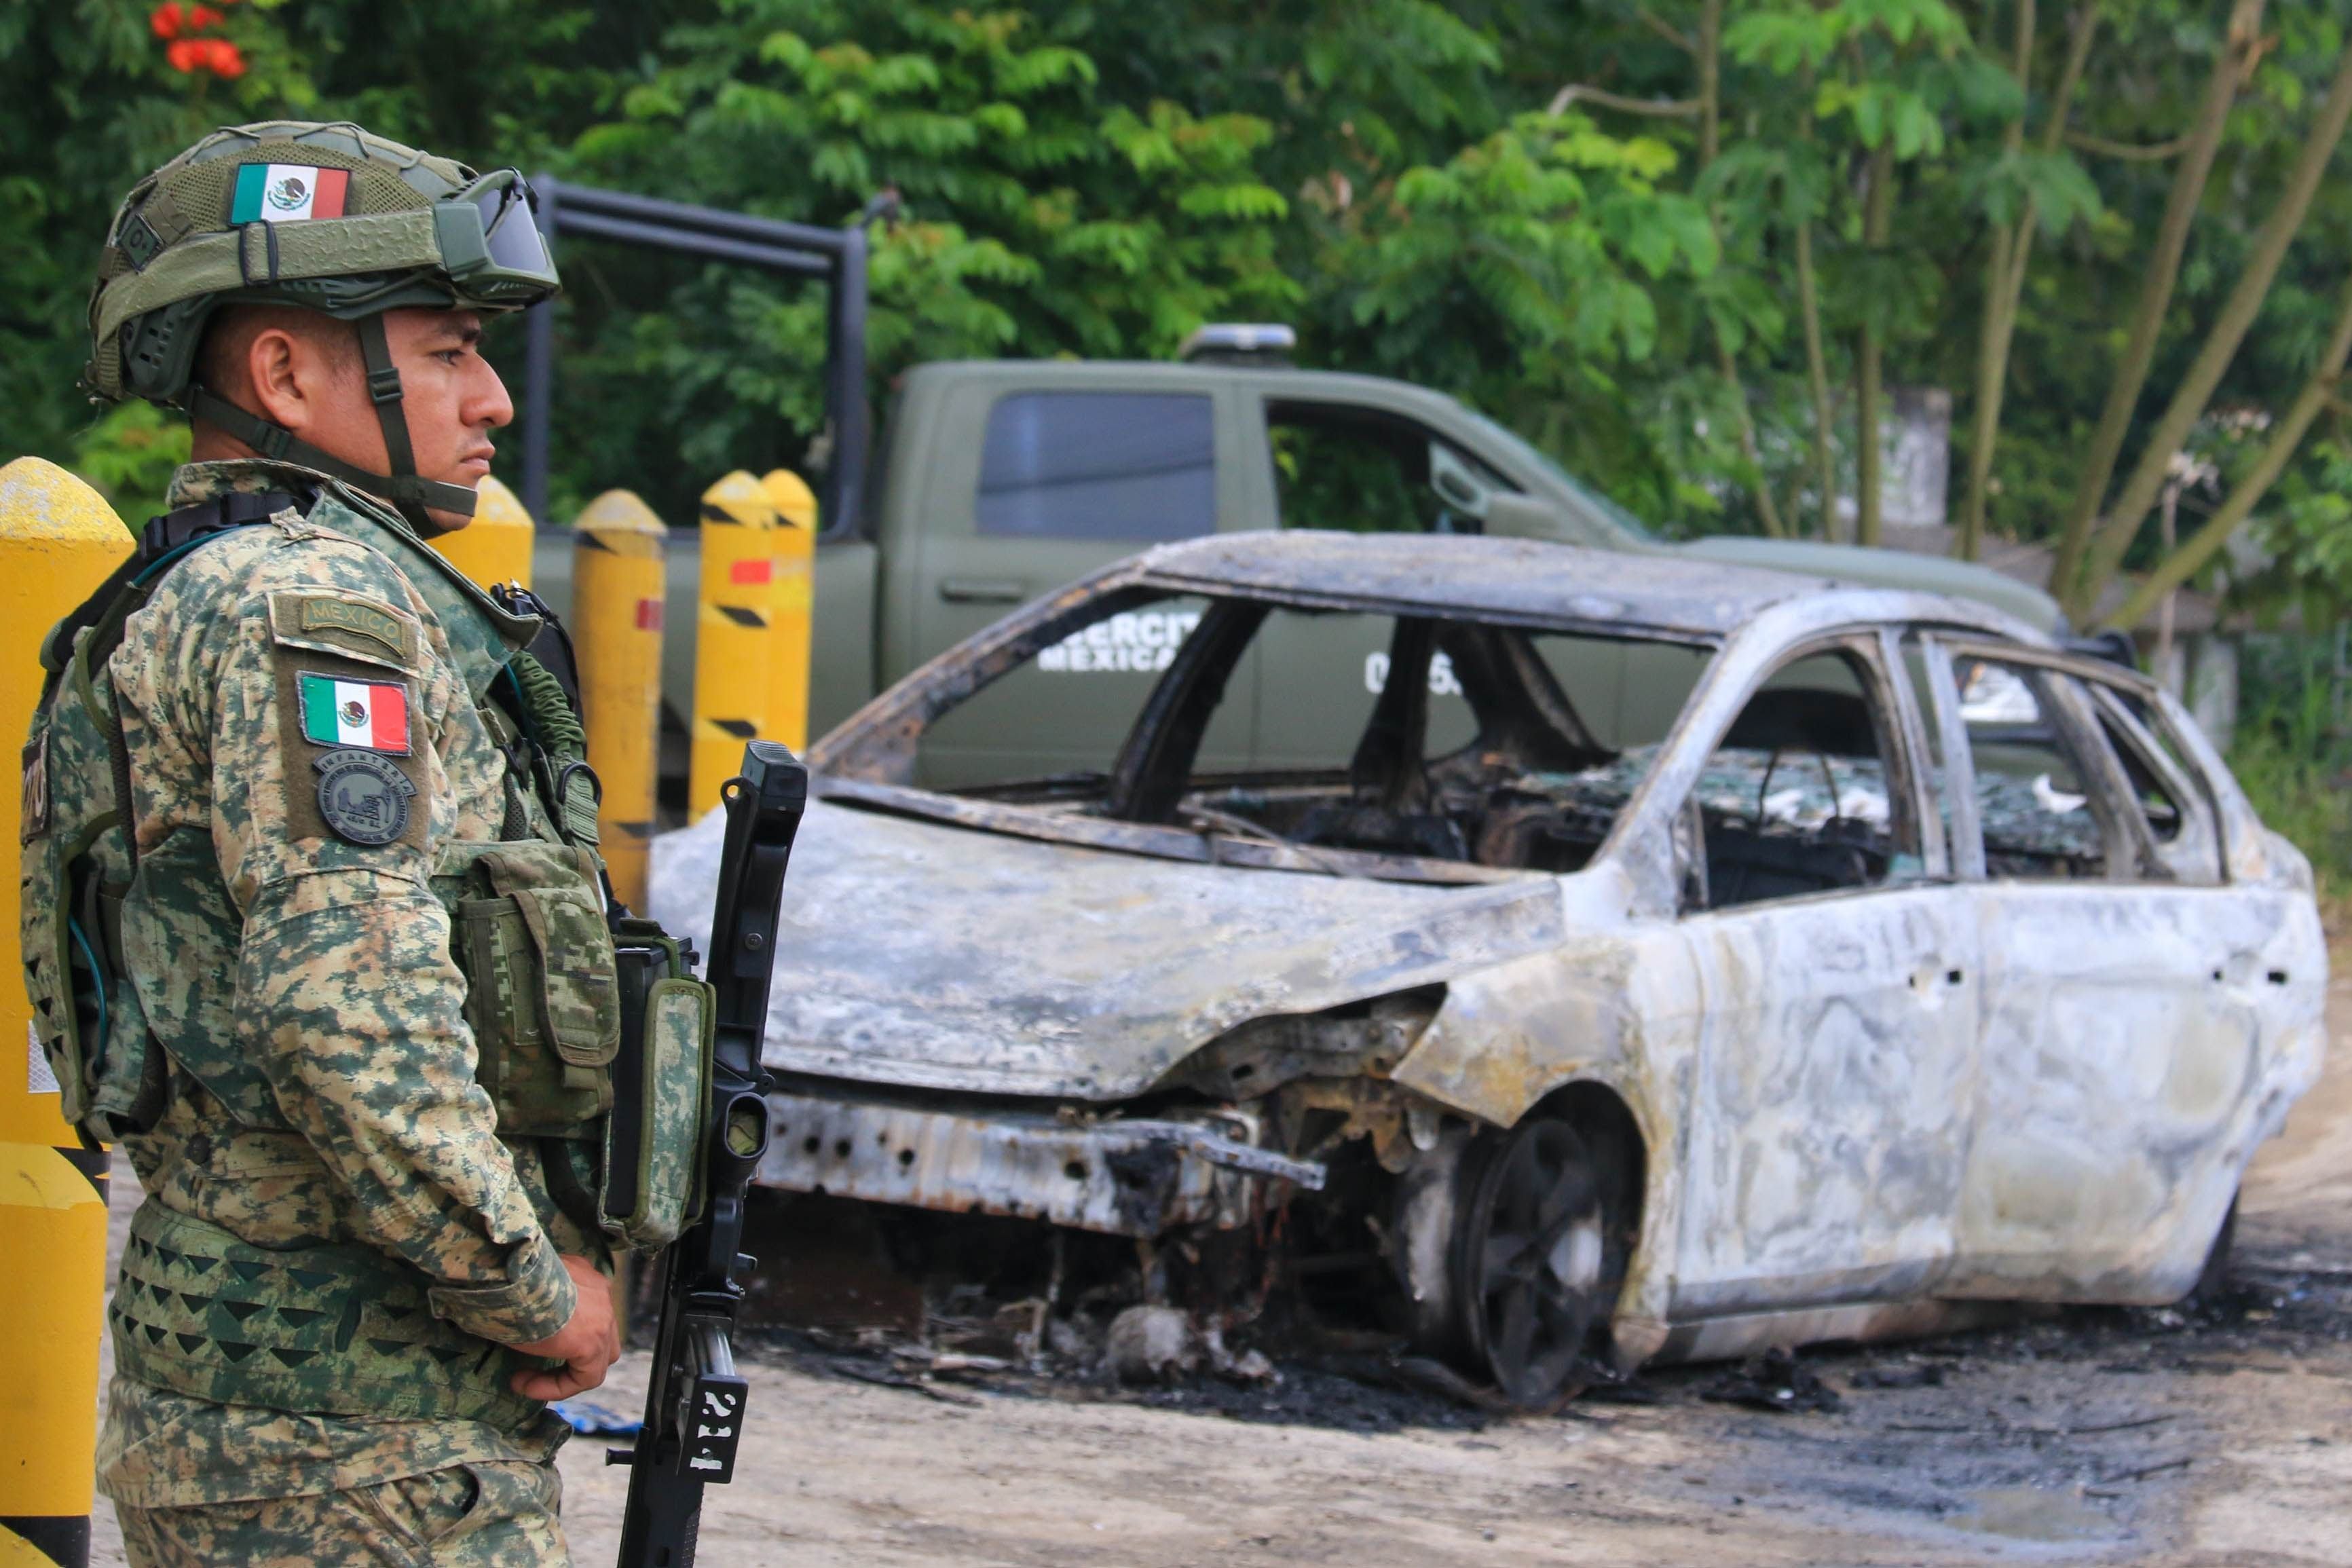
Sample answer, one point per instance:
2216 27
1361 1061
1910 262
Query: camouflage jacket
331 974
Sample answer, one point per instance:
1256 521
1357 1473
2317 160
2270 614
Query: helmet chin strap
416 498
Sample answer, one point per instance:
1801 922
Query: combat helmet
329 217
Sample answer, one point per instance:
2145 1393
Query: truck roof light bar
1239 342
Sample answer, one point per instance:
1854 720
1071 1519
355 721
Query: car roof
1530 580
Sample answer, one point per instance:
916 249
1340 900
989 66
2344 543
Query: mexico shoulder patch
340 711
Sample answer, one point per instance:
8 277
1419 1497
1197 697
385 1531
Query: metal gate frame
835 255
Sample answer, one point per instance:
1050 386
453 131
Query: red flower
166 20
202 16
217 55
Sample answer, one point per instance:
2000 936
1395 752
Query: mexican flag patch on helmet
372 714
288 192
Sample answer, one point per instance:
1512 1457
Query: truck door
1064 481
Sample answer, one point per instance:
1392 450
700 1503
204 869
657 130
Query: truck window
1123 466
1360 471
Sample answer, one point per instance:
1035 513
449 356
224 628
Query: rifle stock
694 1399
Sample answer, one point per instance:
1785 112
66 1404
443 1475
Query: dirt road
2142 1437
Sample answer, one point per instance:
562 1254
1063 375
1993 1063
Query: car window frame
2130 846
1895 723
2194 855
1964 828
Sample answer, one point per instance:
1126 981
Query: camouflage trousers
500 1515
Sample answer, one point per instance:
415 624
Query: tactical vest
592 1037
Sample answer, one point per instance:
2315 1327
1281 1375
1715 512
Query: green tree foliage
1040 219
1672 241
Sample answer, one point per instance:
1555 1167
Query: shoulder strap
162 544
165 543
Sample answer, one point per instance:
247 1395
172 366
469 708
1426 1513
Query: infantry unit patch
369 714
288 192
361 796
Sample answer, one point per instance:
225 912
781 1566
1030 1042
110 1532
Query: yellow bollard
58 542
617 571
496 546
734 634
795 507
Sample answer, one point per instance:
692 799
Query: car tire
2213 1279
1540 1249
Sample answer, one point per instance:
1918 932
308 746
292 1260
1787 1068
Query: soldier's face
305 373
451 397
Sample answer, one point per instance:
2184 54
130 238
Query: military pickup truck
996 481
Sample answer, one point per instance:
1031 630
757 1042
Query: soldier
344 991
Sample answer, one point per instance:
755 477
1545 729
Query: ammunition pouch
562 1004
652 1139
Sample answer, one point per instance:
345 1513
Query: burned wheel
1539 1257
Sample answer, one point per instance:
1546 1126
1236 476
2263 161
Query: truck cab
996 481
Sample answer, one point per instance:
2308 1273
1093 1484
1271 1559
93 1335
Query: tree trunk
1710 134
1877 219
1817 377
2229 69
2005 274
2286 436
2221 342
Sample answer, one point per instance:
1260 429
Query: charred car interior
1641 960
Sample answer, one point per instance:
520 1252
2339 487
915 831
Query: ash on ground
963 1308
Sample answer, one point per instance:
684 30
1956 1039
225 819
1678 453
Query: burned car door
2120 1047
1836 1008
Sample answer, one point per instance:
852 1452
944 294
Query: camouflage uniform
333 979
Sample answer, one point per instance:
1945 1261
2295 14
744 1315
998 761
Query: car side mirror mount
1689 847
1530 516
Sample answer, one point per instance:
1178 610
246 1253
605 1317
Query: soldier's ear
285 377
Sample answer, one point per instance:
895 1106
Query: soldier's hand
587 1345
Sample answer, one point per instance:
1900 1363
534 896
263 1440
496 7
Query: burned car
1647 958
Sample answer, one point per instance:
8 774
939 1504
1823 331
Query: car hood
927 955
1886 569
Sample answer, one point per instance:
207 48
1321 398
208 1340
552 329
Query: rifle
695 1400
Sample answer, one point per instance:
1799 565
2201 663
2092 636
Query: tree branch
1877 223
2230 70
2318 393
2129 152
1660 108
1817 376
1666 29
1710 132
2229 331
1999 315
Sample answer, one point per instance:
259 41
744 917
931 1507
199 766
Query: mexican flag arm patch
369 714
